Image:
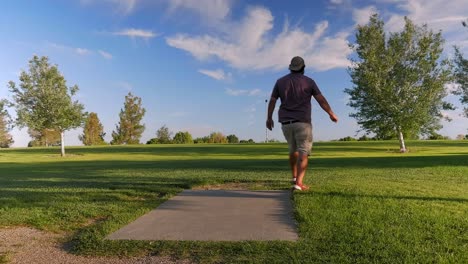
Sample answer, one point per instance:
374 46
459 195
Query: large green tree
130 128
182 138
44 101
93 131
6 140
398 80
461 77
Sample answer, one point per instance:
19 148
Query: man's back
295 91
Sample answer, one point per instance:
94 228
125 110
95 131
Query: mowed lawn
367 204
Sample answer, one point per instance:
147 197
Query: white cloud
336 2
122 6
82 51
361 15
60 47
216 74
136 33
105 55
253 92
438 14
451 87
251 109
206 9
255 48
178 114
125 85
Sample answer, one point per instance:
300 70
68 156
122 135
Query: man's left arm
326 107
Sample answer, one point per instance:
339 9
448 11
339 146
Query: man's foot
293 180
300 187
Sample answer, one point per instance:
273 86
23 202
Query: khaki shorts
299 137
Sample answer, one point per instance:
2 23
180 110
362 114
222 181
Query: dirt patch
27 245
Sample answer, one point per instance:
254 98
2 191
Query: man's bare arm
271 107
326 107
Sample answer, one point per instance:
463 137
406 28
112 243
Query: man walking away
296 91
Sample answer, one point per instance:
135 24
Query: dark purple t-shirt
296 91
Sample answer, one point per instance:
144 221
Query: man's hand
270 124
333 117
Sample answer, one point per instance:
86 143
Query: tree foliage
398 81
461 77
44 138
182 138
93 131
232 139
6 140
217 137
43 100
129 129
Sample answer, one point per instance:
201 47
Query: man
296 91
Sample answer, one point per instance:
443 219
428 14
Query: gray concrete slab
217 215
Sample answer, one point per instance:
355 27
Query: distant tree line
164 136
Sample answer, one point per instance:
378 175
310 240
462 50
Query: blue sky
205 65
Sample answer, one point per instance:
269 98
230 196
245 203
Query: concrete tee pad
216 215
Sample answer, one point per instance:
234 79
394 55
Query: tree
201 140
43 100
398 81
232 139
436 136
163 136
46 137
217 137
93 131
6 140
461 77
182 138
129 129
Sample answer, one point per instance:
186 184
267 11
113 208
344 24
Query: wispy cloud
437 14
361 15
251 109
178 114
124 85
256 48
136 33
82 51
105 55
121 6
206 9
235 92
61 47
216 74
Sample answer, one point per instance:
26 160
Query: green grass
368 203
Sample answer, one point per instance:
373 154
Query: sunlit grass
368 202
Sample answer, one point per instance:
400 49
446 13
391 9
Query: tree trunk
402 142
62 143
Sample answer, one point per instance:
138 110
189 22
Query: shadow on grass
354 196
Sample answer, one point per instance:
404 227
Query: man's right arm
326 107
271 107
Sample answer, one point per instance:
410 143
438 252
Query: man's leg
304 145
301 166
293 163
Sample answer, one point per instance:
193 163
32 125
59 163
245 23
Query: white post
62 143
266 130
402 142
